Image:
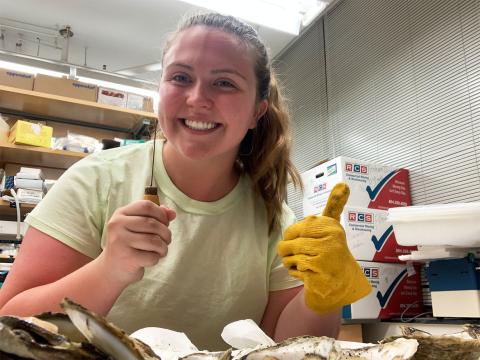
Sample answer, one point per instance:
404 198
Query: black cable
153 157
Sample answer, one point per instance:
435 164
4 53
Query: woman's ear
262 108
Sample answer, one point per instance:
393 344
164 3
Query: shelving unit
38 156
79 112
6 210
49 107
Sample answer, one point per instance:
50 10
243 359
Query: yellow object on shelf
24 132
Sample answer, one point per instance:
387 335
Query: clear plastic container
431 225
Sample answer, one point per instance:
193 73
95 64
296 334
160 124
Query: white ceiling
117 33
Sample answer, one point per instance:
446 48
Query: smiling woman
207 256
209 101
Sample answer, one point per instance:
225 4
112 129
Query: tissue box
395 291
370 237
24 132
371 185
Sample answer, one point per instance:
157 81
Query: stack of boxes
75 89
29 183
374 188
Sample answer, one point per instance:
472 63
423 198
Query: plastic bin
432 225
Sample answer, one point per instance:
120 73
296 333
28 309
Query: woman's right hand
137 236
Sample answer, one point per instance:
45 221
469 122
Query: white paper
168 344
245 334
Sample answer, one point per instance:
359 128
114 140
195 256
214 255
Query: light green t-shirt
221 263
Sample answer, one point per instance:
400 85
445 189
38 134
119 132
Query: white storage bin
446 224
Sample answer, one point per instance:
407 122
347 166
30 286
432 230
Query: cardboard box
10 227
16 79
371 185
112 97
148 104
455 281
24 132
370 237
65 87
395 291
139 102
350 332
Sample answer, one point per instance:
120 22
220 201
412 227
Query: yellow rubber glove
315 250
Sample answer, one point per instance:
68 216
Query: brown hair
267 158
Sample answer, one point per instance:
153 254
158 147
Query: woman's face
208 94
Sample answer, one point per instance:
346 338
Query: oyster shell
205 355
461 346
82 334
63 325
106 336
320 348
23 339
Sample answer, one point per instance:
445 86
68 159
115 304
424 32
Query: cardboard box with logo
28 133
396 291
371 185
139 102
370 237
112 97
65 87
16 79
373 189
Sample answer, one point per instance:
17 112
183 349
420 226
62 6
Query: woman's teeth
199 125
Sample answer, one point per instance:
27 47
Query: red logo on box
357 168
362 217
319 187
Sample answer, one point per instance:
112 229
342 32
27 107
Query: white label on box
112 97
135 102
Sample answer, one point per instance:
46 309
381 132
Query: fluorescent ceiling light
287 16
312 11
281 15
29 69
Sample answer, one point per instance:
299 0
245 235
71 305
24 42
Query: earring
246 146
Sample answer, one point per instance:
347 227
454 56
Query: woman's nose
198 96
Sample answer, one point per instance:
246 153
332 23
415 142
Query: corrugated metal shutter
404 90
302 72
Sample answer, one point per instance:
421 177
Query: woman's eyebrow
228 71
185 66
215 71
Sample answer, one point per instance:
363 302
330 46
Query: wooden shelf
71 110
6 259
38 156
6 210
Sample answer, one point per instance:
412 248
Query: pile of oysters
80 334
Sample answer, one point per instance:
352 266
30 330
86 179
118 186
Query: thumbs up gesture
315 251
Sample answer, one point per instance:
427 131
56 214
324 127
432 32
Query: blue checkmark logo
373 193
383 299
378 243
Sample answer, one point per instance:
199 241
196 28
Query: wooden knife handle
151 194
